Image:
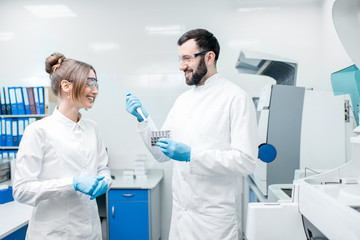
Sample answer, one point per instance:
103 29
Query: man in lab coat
213 144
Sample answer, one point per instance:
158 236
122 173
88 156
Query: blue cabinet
133 207
14 220
6 195
128 214
20 234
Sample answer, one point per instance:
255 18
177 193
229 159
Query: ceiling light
165 30
51 11
104 46
252 9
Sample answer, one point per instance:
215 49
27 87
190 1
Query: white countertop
5 185
14 216
154 176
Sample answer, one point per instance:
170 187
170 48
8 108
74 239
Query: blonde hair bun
53 62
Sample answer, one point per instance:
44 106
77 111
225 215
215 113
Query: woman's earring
68 95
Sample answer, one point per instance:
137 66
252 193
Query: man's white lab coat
218 121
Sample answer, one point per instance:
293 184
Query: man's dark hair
205 40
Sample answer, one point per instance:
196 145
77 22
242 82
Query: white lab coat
53 151
218 121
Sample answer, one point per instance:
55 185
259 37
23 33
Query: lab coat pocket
215 195
52 213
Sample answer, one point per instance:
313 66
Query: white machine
280 113
293 120
327 205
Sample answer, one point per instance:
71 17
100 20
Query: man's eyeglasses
91 82
190 58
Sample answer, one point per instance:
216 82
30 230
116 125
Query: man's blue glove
174 150
87 184
101 188
132 103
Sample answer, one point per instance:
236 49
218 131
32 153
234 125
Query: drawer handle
128 195
113 211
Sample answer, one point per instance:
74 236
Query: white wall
145 64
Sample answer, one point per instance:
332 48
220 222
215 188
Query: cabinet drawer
6 195
127 195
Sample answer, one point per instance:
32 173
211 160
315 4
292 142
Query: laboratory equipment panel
279 125
133 207
14 224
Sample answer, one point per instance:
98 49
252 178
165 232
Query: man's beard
199 74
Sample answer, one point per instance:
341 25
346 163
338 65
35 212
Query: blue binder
36 98
7 100
11 154
26 101
41 99
14 130
19 101
3 132
26 122
9 136
13 103
21 128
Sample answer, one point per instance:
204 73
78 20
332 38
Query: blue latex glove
87 184
132 103
174 150
101 188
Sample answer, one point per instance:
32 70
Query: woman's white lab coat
218 121
53 151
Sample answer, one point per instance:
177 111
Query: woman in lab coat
61 165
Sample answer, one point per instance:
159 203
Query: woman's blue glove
101 188
132 103
174 150
87 184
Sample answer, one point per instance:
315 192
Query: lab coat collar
209 82
66 121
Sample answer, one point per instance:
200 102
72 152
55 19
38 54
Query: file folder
21 128
11 154
36 98
46 99
3 132
9 136
26 101
41 99
7 100
49 100
31 120
3 102
26 122
13 103
14 130
30 92
19 101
